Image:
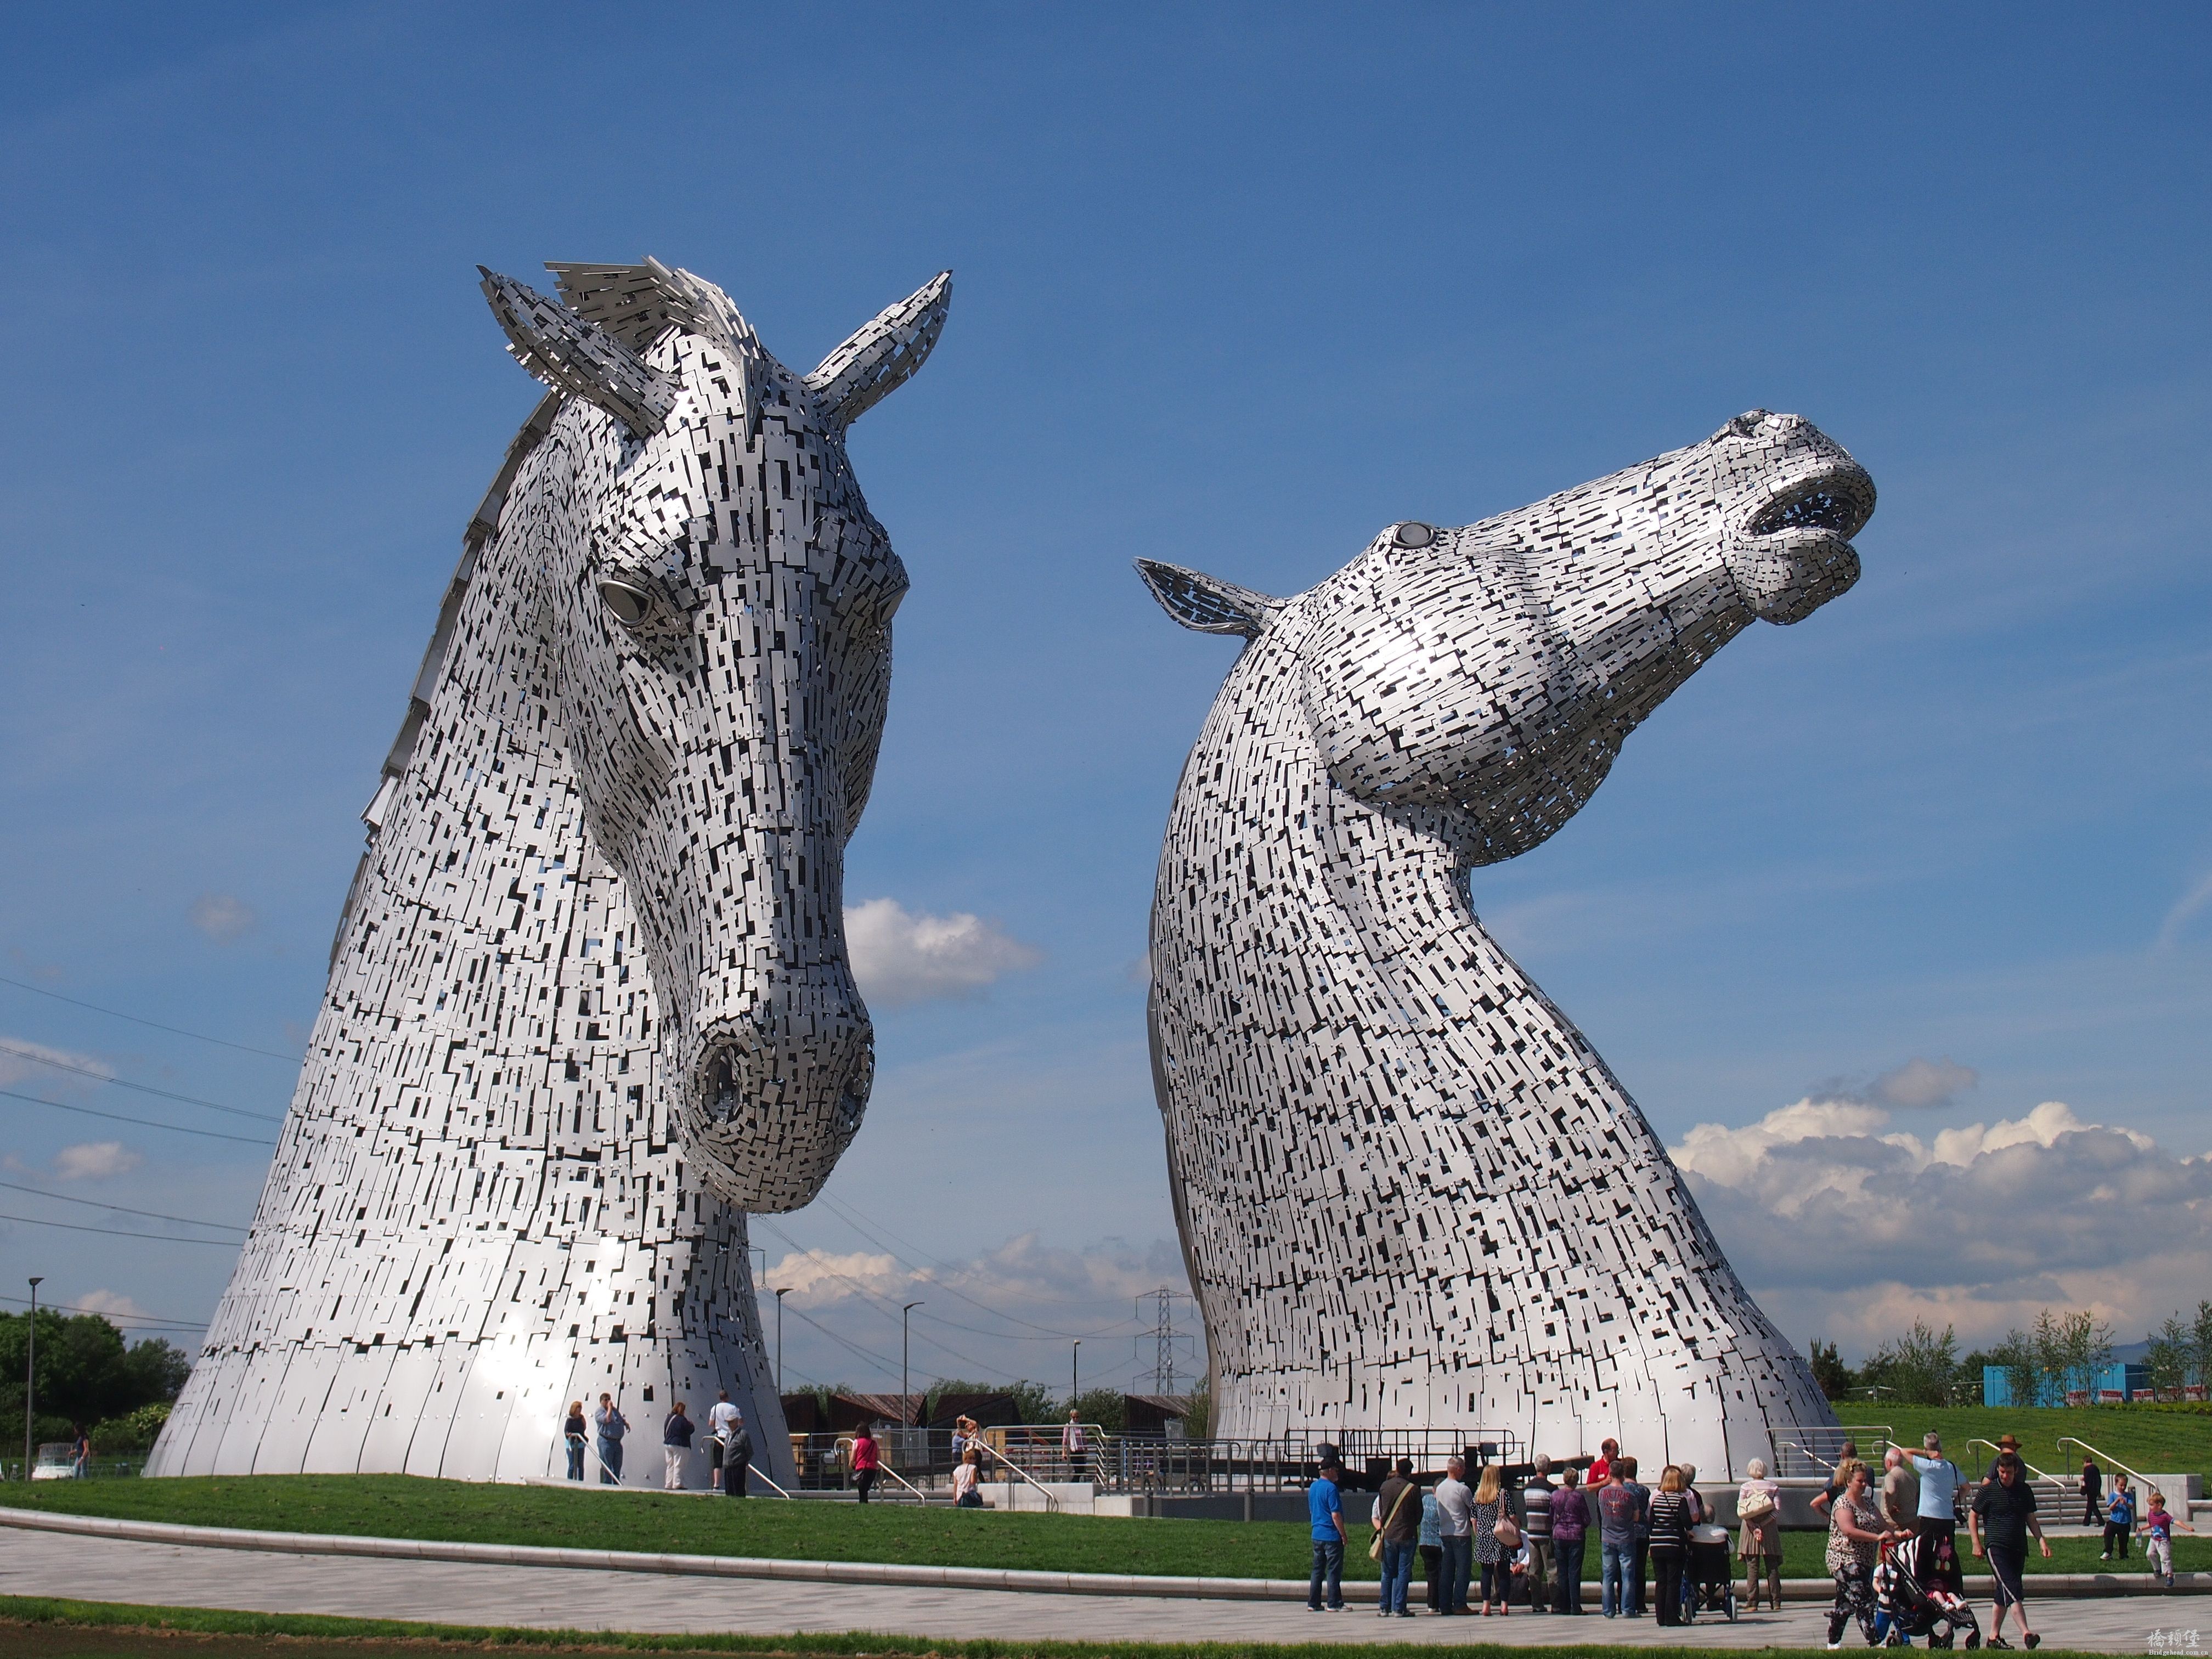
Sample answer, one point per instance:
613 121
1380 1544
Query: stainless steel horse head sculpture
589 999
1409 1192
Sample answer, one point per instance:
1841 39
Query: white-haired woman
1759 1508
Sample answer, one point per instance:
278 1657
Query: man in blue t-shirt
1937 1521
1325 1509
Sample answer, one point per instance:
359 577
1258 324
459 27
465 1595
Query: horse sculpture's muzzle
1791 551
780 1088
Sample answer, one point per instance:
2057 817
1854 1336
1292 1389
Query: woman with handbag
1759 1507
1493 1525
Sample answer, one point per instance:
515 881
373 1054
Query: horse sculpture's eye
631 603
1414 534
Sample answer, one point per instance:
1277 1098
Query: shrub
133 1432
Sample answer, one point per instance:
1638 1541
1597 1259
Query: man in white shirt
722 1424
1936 1522
1455 1528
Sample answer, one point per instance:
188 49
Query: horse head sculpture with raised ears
589 1001
721 599
1409 1192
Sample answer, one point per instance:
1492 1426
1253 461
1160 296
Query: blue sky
1234 288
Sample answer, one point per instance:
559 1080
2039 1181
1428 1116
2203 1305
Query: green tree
1829 1371
1103 1406
1199 1426
2021 1360
2200 1344
85 1373
2081 1349
1918 1367
2168 1358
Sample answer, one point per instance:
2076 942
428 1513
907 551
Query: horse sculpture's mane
498 1189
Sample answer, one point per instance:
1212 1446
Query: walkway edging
2056 1586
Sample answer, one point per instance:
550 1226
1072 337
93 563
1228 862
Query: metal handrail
1807 1453
2111 1462
1050 1502
918 1492
752 1474
2034 1472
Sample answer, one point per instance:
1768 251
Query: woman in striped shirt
1670 1543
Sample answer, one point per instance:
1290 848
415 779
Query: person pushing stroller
1913 1595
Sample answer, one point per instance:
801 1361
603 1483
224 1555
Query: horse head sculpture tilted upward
588 1000
1410 1193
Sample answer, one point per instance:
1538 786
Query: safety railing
1815 1449
2107 1458
2034 1474
920 1496
984 1446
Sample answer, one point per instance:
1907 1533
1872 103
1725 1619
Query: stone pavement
111 1570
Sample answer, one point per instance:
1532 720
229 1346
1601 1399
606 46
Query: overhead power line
33 1056
865 1353
118 1233
121 1209
145 1320
143 1122
154 1024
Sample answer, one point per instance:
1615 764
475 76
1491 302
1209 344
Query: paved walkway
109 1570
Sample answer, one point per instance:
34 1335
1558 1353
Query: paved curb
2053 1586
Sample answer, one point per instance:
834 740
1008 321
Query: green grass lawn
401 1506
39 1628
2154 1439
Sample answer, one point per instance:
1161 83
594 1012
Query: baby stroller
1712 1581
1916 1601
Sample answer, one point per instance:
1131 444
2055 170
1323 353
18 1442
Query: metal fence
1813 1449
1160 1463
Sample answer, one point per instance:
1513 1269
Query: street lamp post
905 1399
30 1373
779 1295
1074 1372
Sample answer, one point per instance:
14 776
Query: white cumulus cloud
20 1057
109 1302
1845 1227
95 1160
223 917
900 957
1925 1083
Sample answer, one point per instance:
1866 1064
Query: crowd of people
1486 1548
601 1436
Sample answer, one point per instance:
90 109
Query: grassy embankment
400 1506
37 1628
2158 1438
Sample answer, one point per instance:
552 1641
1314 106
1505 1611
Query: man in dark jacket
1399 1505
737 1459
675 1447
2092 1493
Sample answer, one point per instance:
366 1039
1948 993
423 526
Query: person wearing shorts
2001 1520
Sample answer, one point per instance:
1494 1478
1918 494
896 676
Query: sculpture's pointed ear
882 356
573 356
1206 603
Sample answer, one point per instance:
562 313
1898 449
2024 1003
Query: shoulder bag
1375 1549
